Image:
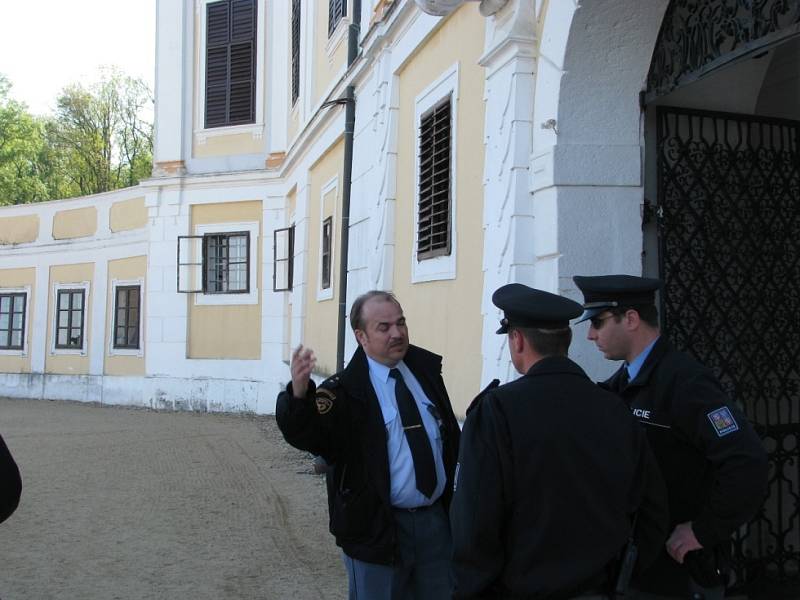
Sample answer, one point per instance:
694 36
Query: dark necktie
417 437
623 379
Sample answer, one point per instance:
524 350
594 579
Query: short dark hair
647 313
356 318
548 342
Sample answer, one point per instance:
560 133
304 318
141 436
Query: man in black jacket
386 426
713 463
552 470
10 483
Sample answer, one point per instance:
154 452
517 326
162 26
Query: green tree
101 134
22 145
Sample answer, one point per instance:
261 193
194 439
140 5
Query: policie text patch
723 421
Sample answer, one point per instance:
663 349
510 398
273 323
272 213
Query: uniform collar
659 349
555 364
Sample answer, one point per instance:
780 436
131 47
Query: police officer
713 462
386 426
551 470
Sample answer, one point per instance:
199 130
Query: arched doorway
723 168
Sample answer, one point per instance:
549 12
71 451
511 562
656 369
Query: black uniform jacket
713 462
551 470
10 483
341 421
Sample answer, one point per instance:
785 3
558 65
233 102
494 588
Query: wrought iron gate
729 235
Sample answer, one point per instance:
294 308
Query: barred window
227 263
337 9
327 238
127 303
295 50
434 211
230 62
70 313
12 321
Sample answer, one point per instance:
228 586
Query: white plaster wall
587 170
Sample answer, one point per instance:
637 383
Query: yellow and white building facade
505 141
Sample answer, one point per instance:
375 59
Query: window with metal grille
126 316
70 312
227 263
12 321
435 141
337 9
295 50
327 237
230 62
283 259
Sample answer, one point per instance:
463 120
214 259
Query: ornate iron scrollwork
698 36
729 196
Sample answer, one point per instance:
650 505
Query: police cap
610 291
528 307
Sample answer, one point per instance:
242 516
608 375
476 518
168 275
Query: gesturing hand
303 361
682 541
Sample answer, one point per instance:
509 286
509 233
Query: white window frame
27 320
338 35
255 129
86 287
440 267
331 185
253 259
112 351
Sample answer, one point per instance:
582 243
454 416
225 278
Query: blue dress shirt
404 492
636 365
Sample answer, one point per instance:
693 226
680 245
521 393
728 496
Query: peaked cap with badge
603 292
524 306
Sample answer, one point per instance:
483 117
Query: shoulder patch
324 399
723 422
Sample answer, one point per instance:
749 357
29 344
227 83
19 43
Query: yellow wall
124 269
19 278
445 316
326 66
75 223
18 230
319 330
70 364
227 331
128 214
226 145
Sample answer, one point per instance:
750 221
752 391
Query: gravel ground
123 503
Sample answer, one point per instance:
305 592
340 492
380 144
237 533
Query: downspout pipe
354 33
349 128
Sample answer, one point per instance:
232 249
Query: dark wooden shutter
295 50
337 9
230 62
435 148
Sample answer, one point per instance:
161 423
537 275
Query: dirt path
133 504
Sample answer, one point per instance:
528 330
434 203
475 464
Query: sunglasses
597 322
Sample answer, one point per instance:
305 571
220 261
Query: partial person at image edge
386 427
712 460
11 488
551 471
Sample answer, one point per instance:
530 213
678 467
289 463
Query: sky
48 44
